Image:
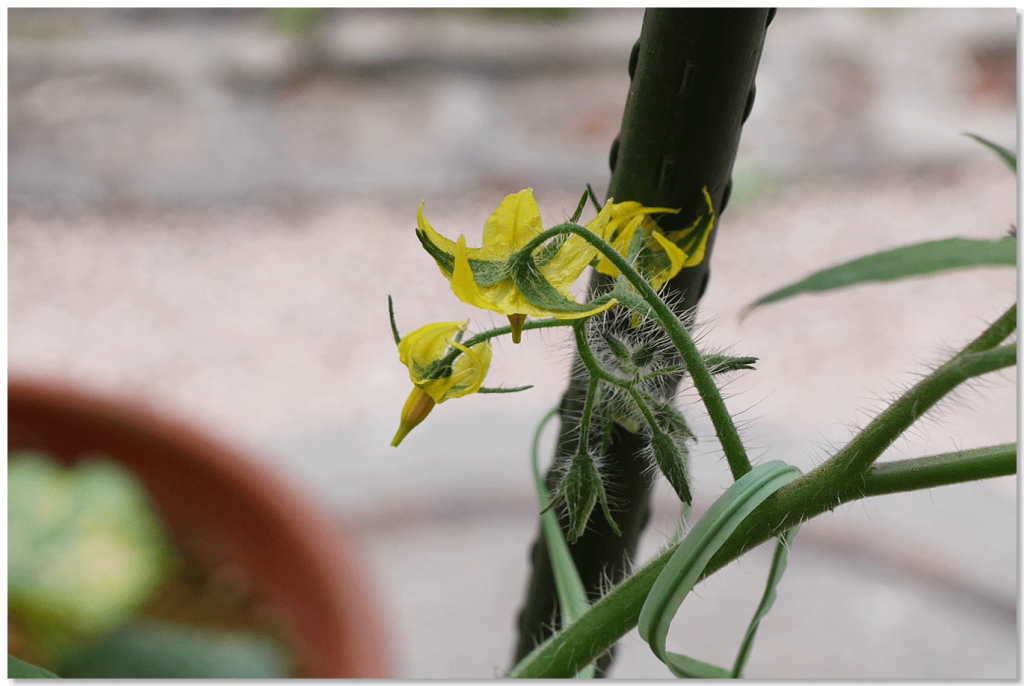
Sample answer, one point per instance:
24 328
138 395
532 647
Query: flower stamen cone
516 321
416 409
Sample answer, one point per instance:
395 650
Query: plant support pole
692 87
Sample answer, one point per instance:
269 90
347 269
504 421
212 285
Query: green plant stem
866 446
938 470
617 612
502 331
505 330
735 453
599 372
840 479
588 411
994 334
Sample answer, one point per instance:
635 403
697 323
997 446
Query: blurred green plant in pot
86 556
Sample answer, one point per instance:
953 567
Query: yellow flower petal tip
416 409
516 321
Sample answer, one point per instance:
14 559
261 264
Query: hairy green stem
596 370
840 479
588 411
448 359
878 435
617 612
995 334
939 470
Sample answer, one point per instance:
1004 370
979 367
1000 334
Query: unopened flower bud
671 464
581 486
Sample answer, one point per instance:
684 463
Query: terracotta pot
212 496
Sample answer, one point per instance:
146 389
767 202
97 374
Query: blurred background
209 208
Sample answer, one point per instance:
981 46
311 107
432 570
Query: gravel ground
199 218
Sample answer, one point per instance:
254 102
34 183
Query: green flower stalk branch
649 302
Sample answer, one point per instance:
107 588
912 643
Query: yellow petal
622 223
675 255
426 345
463 285
476 361
514 224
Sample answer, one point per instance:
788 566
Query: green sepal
721 364
485 272
669 419
579 489
483 389
539 292
394 326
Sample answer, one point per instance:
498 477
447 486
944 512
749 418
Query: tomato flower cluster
522 271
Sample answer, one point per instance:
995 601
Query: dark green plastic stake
692 88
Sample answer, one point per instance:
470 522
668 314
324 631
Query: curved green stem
448 359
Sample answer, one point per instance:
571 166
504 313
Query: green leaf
689 668
910 260
779 561
17 669
687 563
1008 157
572 595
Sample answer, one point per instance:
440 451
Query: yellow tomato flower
494 277
422 351
662 255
